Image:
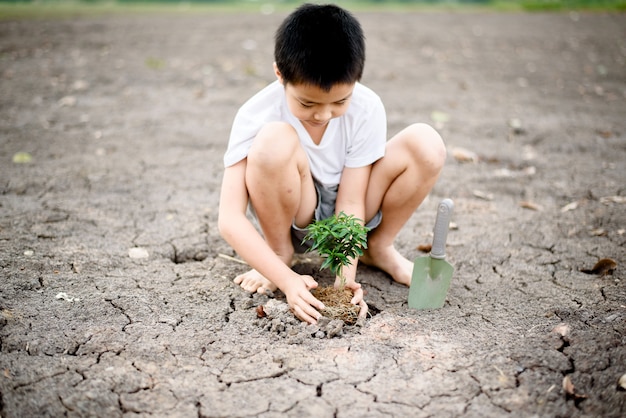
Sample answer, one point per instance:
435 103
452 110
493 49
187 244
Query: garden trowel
432 274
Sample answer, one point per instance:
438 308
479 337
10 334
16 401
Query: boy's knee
273 144
427 146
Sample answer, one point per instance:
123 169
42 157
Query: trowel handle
442 224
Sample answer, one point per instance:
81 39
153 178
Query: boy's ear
279 76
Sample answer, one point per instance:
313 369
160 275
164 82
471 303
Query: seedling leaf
337 239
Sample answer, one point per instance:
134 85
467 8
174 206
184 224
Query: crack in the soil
73 350
82 375
231 308
122 311
495 270
549 249
571 370
41 379
64 405
603 293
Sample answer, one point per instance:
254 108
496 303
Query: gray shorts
326 198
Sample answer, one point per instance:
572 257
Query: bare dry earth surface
127 118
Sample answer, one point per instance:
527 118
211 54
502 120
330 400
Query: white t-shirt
355 139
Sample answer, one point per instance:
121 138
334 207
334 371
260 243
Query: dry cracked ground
116 295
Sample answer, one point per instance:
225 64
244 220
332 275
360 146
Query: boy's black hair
321 45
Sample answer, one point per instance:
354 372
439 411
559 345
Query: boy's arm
241 234
351 200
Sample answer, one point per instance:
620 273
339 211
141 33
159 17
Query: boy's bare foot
253 281
389 260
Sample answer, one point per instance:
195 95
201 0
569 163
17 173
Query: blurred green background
24 9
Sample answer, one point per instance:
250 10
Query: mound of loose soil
337 302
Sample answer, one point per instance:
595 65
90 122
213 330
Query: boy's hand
357 291
357 299
301 302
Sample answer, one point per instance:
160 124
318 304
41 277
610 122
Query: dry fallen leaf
569 206
80 85
569 389
516 125
568 386
482 195
502 378
425 248
528 153
463 155
6 313
22 158
439 117
599 232
530 205
67 101
515 173
613 199
603 267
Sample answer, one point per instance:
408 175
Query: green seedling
338 240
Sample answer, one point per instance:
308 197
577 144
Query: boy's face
315 107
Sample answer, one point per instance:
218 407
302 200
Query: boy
311 144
